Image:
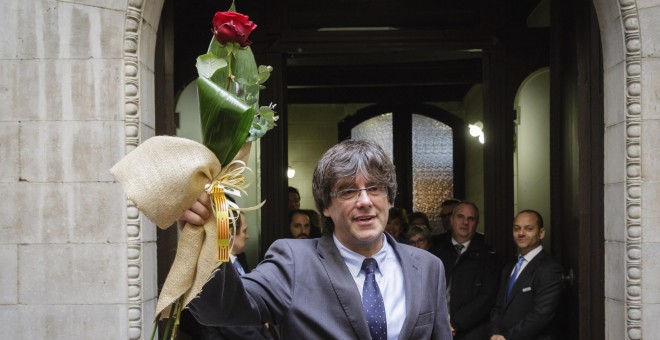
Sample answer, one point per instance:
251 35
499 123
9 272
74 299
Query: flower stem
153 332
230 54
169 321
179 307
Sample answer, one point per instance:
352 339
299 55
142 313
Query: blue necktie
372 302
513 277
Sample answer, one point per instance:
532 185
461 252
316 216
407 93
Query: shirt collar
354 260
465 244
533 253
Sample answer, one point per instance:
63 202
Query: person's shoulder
294 244
478 244
420 254
549 261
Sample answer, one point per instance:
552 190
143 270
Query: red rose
232 27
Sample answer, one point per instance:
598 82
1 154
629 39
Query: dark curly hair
342 164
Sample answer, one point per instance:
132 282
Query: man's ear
542 232
326 212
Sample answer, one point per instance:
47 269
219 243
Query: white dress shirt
389 278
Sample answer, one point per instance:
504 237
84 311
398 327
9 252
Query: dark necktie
459 249
514 276
372 302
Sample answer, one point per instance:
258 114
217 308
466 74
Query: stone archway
627 167
140 26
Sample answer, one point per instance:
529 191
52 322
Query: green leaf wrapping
207 64
225 119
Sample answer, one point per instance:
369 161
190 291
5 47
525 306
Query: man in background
530 287
472 274
299 224
294 199
446 210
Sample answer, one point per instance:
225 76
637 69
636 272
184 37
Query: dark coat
474 280
529 313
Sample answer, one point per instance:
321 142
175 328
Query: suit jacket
474 278
196 331
305 288
530 311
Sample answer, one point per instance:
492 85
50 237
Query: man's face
294 201
394 228
299 226
464 223
359 222
526 232
240 239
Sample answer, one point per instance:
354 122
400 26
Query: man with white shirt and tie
531 287
354 282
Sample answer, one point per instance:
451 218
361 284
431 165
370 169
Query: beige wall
474 154
312 131
532 154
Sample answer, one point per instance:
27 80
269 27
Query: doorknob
568 278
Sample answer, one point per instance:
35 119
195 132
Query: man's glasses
354 193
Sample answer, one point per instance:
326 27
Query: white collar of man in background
236 264
529 257
465 244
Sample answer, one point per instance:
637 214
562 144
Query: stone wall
631 47
68 270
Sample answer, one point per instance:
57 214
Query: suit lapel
525 275
410 266
344 285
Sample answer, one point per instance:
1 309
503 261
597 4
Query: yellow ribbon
230 177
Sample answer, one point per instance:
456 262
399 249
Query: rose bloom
232 27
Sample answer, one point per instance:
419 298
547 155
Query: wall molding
633 177
134 242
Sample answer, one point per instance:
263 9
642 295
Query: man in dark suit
471 271
530 288
355 282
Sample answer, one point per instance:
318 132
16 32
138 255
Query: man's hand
453 330
198 213
497 337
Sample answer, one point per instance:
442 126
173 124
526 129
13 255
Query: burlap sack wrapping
164 176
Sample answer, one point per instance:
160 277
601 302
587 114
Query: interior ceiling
342 51
366 56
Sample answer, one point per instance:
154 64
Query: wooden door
577 165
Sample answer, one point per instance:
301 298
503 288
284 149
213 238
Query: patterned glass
433 166
377 129
432 158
